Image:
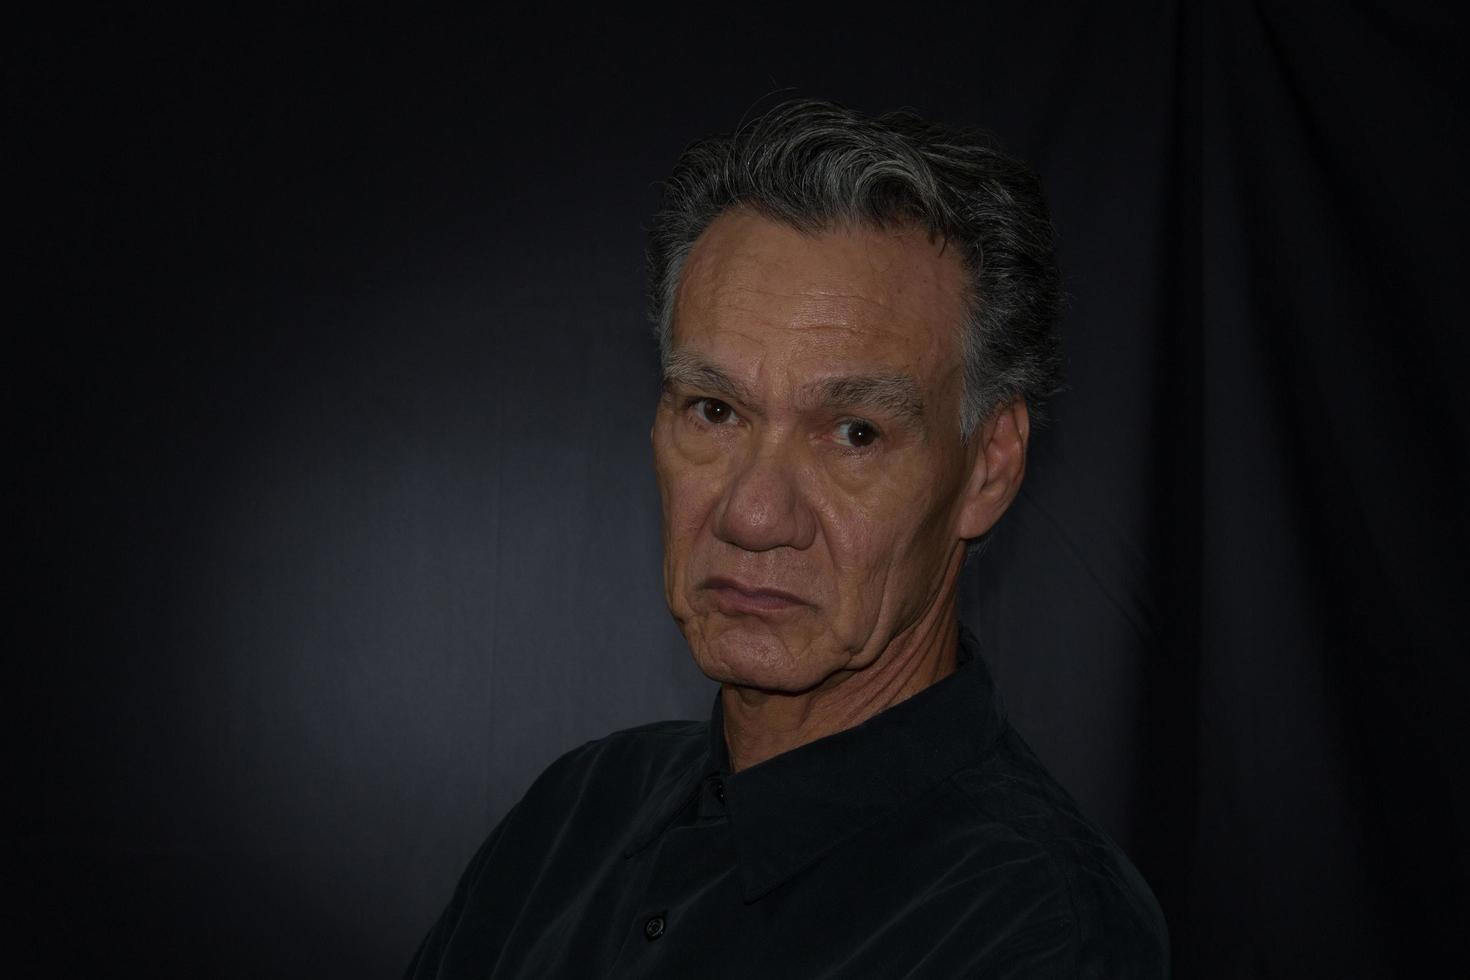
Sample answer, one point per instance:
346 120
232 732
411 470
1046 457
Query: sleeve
1071 950
1072 957
1113 930
1071 909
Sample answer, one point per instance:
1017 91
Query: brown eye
857 433
714 412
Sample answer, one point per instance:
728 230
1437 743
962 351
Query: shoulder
579 810
1114 926
588 802
648 750
618 771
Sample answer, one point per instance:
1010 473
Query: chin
757 657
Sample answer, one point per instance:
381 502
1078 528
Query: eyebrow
690 372
894 394
897 395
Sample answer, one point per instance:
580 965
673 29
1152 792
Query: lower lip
733 601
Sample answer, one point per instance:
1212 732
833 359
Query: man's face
807 447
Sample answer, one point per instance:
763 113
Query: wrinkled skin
855 501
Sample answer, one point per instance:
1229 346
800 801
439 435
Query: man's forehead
746 268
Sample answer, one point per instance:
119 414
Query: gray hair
815 166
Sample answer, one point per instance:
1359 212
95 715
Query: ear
997 465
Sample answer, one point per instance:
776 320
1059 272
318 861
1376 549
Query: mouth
734 597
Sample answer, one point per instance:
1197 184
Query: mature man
856 323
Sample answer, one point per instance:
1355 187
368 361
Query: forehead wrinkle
870 269
806 304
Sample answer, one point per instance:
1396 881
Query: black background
334 520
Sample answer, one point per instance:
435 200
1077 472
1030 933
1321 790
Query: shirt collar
788 811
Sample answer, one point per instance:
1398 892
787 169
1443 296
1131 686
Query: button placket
694 848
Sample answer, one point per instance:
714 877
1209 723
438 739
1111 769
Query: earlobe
997 469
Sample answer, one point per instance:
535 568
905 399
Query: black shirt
925 842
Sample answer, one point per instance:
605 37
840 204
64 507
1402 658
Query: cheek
689 498
860 542
897 525
689 493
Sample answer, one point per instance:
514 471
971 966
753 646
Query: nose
763 506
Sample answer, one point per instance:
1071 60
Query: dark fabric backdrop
334 521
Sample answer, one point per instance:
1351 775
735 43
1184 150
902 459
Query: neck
762 724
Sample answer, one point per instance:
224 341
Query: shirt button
720 790
653 928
